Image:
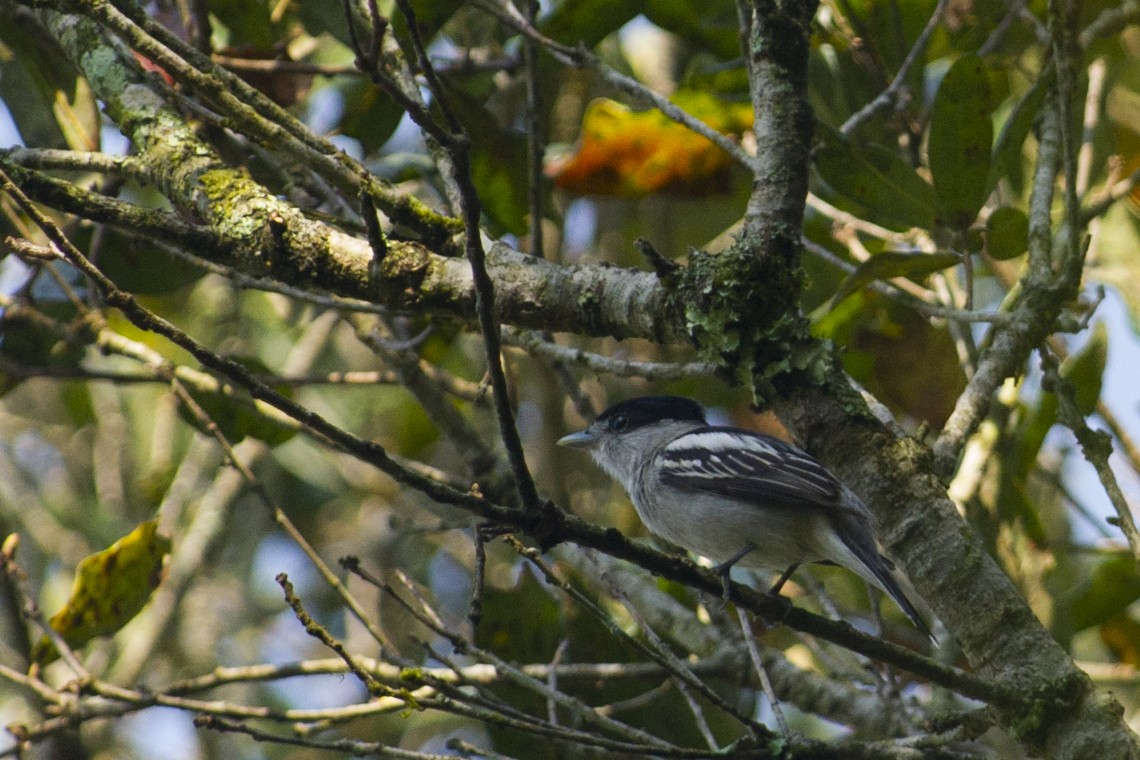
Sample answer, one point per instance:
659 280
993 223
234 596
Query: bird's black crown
646 410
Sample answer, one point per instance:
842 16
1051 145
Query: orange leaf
634 153
1122 635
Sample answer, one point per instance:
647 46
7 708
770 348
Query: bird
736 496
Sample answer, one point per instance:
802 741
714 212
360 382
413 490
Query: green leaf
1007 233
144 269
250 22
884 266
713 25
237 414
896 353
1006 156
498 164
588 21
369 115
532 637
29 342
51 106
961 135
318 18
1114 585
111 587
430 15
1085 369
883 187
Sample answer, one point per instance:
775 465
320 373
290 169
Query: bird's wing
751 467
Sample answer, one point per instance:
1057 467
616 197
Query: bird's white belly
719 529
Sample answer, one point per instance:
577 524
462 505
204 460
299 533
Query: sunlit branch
533 343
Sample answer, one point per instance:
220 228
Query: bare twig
1110 21
535 135
480 460
1096 446
353 747
579 57
510 672
997 36
932 310
74 160
31 611
889 96
1096 75
534 343
457 145
319 632
1010 344
655 648
762 673
273 66
1116 191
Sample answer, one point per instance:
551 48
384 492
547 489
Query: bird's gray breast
717 527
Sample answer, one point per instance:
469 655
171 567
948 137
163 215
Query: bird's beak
581 440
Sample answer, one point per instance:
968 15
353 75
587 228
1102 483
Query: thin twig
889 96
935 311
457 144
762 673
428 617
319 632
1110 21
480 460
31 611
535 135
1096 76
655 647
997 36
580 57
272 66
78 160
1096 446
533 343
1118 190
353 747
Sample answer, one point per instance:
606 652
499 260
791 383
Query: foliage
308 288
111 587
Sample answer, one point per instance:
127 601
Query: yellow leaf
635 153
1122 635
111 587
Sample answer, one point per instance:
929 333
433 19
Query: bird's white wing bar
749 466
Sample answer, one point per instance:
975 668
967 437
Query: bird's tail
856 532
883 571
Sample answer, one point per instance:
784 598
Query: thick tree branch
261 236
246 227
990 620
258 234
776 50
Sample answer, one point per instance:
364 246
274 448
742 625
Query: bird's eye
618 423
